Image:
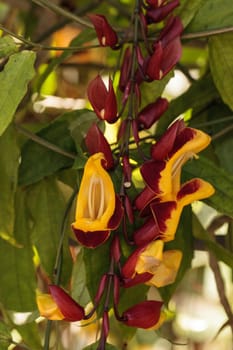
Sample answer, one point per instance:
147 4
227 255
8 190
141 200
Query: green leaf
17 271
17 72
221 65
7 46
187 10
200 94
219 178
94 346
39 161
47 206
212 14
5 336
183 241
78 280
9 162
221 253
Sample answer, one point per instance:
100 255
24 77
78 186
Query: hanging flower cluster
104 211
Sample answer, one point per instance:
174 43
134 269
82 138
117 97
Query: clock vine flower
98 209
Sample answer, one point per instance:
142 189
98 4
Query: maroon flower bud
143 315
172 29
125 69
103 100
153 69
151 113
116 291
96 142
106 35
71 310
154 15
105 324
127 170
135 131
115 249
128 209
101 288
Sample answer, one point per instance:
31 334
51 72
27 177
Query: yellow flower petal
96 197
48 308
166 272
150 258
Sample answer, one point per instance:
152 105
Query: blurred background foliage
47 58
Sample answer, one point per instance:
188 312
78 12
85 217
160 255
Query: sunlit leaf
9 162
14 79
17 272
221 64
7 46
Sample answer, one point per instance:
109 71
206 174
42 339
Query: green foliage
14 79
40 171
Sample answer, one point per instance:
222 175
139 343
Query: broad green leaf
183 241
187 10
47 206
212 14
7 46
9 162
221 64
200 94
219 178
14 79
94 346
221 253
18 285
39 161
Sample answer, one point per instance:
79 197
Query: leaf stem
44 142
207 33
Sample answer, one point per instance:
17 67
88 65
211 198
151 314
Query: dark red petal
163 147
182 138
158 14
172 30
162 212
115 249
153 67
137 279
143 315
189 187
68 306
125 69
151 174
110 114
171 55
143 199
115 220
128 269
105 33
96 142
97 94
151 113
91 239
147 232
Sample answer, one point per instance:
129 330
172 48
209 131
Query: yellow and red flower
98 209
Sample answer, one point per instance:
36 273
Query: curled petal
150 258
71 310
96 142
172 30
193 190
106 35
143 315
171 55
147 232
155 15
91 239
153 69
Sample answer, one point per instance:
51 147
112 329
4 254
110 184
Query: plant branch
207 33
44 142
59 10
